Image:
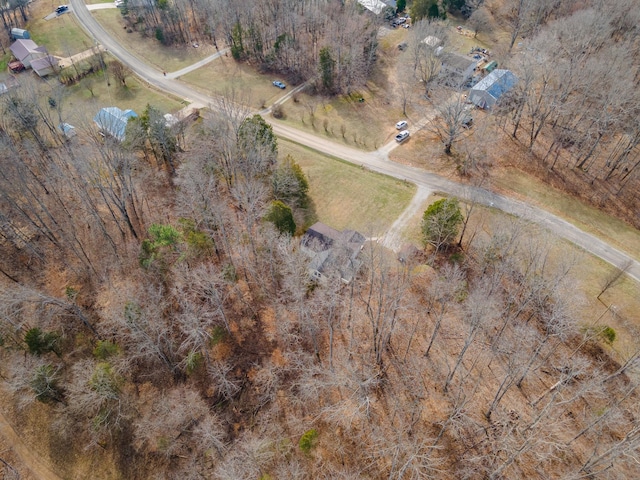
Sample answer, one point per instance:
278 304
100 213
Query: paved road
377 161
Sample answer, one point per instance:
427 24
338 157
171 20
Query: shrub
277 111
308 440
39 342
105 349
282 217
608 334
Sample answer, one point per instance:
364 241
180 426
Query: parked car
278 84
402 136
61 9
401 125
118 3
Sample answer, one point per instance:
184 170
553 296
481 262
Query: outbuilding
113 121
45 66
19 34
488 91
67 130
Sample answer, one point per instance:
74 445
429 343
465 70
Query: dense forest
157 308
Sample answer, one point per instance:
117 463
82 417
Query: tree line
295 39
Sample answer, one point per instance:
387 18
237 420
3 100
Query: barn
487 91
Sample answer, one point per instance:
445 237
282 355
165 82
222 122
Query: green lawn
63 36
224 75
346 196
80 103
365 125
149 49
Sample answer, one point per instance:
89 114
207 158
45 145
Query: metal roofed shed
19 34
67 130
375 6
487 91
113 121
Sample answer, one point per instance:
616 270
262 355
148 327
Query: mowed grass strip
364 125
149 49
224 75
63 36
347 196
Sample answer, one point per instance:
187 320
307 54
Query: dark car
62 9
278 84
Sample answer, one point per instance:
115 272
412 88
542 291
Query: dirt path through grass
393 238
29 458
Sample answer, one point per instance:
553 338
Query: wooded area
175 328
154 304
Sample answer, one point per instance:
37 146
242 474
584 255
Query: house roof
496 83
458 63
67 130
114 121
329 247
22 48
375 6
431 40
44 63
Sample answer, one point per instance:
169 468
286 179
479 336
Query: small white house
375 6
67 130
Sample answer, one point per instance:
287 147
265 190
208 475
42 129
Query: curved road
377 161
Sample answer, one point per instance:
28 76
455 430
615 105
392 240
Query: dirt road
30 459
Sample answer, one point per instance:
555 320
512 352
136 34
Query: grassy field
346 196
4 60
63 36
224 75
80 105
365 125
153 52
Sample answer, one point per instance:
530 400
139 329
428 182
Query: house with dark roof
45 66
332 250
488 91
113 121
26 51
457 69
